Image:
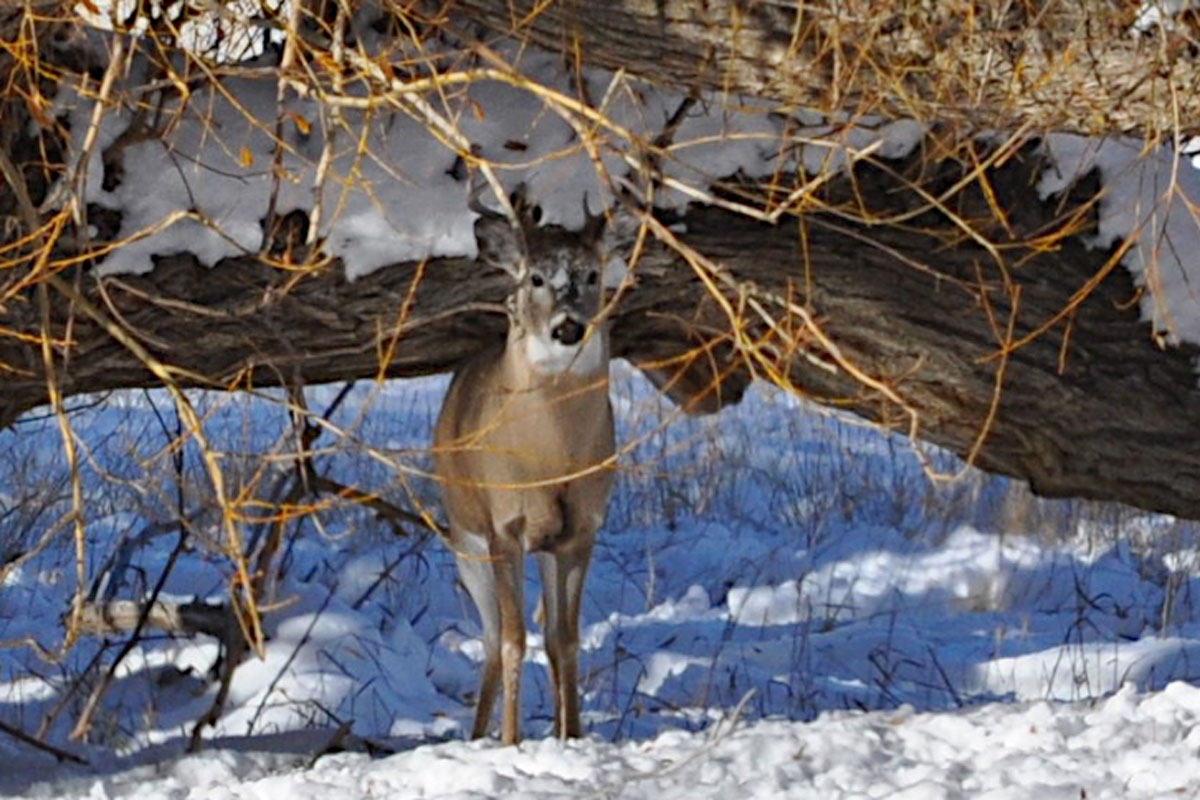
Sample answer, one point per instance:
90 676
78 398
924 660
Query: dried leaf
302 124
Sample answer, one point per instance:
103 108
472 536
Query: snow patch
386 190
1152 196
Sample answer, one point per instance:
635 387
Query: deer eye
592 278
537 280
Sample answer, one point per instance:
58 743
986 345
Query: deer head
558 291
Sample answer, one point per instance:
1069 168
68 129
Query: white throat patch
550 357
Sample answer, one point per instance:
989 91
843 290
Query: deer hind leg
475 571
563 571
508 558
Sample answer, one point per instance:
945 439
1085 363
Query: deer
523 454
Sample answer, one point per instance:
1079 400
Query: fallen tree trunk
1091 406
1089 67
917 325
244 324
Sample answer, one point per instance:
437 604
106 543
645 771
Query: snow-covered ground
1126 746
781 604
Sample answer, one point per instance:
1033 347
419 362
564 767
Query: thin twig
57 752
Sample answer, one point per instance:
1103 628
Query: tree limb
1080 67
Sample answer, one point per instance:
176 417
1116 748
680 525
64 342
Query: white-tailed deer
523 452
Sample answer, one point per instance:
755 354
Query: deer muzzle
568 332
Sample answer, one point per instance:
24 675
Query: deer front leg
508 557
475 571
563 571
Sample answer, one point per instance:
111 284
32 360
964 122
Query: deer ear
500 244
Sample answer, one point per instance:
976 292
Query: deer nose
568 332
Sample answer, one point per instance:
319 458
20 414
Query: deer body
522 450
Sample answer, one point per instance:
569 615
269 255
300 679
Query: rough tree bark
244 324
1075 67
